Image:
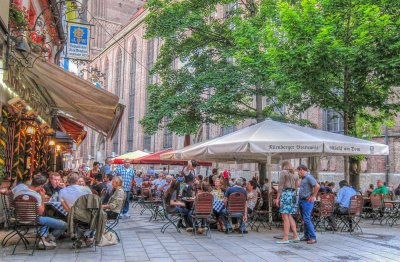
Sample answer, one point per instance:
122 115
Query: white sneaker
125 216
43 244
51 238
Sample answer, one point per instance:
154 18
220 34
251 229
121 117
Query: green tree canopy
338 54
221 64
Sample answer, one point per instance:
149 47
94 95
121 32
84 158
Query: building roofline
135 21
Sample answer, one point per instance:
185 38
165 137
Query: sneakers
189 229
125 216
295 240
44 244
282 242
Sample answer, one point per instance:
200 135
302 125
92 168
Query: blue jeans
57 226
125 209
186 214
224 213
306 209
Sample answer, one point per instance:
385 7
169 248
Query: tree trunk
313 165
186 140
355 169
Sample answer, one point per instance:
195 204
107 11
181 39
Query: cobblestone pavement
143 241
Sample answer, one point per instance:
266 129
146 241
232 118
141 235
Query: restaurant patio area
142 241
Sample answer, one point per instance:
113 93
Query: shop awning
131 155
155 159
75 98
73 129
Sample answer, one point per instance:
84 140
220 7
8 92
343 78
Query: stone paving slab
142 240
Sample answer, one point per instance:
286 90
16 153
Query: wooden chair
324 210
236 206
378 209
354 217
203 208
26 217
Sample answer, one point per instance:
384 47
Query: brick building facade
126 60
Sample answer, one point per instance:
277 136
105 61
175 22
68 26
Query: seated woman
252 196
116 201
218 203
174 205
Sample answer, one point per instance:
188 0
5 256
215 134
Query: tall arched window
150 60
106 71
149 65
115 142
131 113
118 73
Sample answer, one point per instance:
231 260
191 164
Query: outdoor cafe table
57 206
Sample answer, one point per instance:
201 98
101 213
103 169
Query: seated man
380 189
98 184
167 184
236 188
56 226
71 193
54 185
26 181
342 202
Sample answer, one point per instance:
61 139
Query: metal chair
8 205
259 217
171 217
112 222
203 208
26 217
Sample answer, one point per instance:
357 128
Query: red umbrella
154 159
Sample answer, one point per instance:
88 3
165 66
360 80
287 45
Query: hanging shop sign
78 41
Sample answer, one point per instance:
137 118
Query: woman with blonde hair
287 201
116 201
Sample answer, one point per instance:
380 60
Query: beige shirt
287 180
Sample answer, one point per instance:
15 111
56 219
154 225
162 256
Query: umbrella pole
269 176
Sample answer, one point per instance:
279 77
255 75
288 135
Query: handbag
108 239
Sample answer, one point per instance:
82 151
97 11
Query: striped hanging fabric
10 146
28 155
3 139
15 173
20 170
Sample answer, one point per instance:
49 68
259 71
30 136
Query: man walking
308 191
106 169
127 174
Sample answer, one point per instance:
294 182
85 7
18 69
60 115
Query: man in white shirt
71 193
57 226
27 181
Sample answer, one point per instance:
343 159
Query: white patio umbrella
277 140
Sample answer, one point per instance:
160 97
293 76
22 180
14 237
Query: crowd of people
296 191
57 192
